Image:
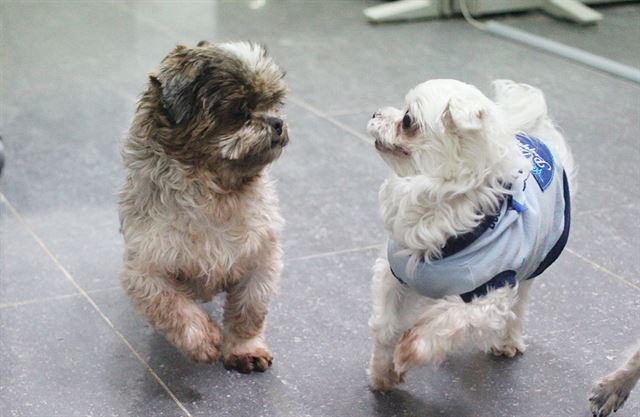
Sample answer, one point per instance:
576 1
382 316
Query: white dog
478 204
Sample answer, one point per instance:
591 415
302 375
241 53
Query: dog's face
440 132
218 105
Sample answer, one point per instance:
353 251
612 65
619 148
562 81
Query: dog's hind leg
513 343
393 313
610 393
450 324
246 306
173 312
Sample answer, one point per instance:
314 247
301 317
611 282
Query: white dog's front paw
382 375
510 348
609 394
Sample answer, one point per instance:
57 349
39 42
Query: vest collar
458 243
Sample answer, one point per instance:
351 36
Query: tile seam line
90 300
371 247
603 210
21 303
603 269
98 290
306 106
319 113
338 252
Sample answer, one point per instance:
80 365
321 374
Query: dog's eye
239 111
407 121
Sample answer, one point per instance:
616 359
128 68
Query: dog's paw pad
259 360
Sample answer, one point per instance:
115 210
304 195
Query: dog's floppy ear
464 114
178 97
177 84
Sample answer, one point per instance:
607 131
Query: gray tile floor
70 343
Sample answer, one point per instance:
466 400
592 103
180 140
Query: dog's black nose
276 124
376 114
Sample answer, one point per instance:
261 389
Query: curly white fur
453 153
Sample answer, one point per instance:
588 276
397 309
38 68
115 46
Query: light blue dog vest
527 235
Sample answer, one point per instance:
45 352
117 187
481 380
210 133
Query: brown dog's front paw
206 348
258 360
610 393
207 354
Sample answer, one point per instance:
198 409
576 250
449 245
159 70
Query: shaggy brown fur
198 212
611 392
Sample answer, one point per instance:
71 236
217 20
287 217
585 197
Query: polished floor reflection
72 345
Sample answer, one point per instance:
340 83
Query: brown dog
198 212
610 393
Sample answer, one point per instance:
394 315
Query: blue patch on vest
518 207
541 159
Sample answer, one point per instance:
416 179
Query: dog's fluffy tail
524 105
451 324
526 111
